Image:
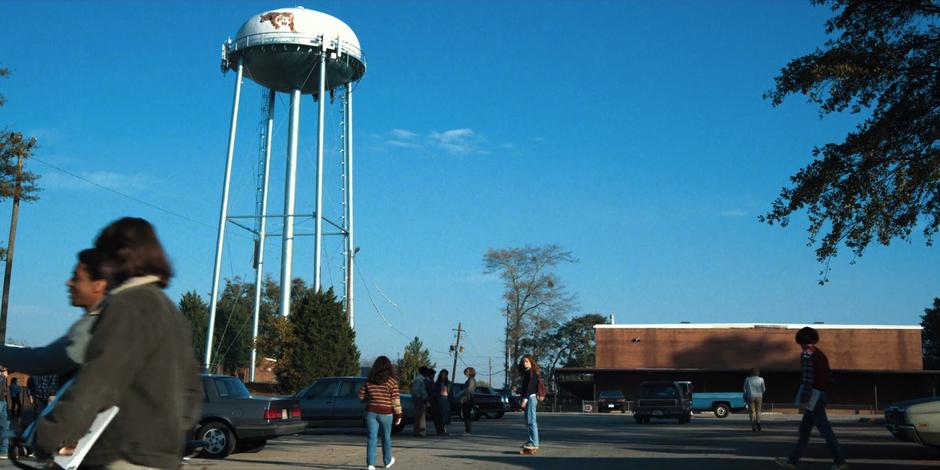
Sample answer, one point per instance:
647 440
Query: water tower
299 52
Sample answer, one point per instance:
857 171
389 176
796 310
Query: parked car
610 400
504 398
485 402
915 421
334 402
663 399
722 403
234 421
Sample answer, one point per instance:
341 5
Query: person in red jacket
812 401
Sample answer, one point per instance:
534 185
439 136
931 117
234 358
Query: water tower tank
280 50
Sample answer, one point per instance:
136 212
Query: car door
349 409
316 402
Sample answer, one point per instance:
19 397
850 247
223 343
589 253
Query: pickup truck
722 404
234 421
665 400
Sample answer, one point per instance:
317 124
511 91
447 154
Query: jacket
141 359
419 390
470 386
530 383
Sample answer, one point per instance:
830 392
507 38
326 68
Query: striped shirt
383 399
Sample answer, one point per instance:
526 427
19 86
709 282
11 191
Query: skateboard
529 450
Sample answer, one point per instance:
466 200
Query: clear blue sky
631 133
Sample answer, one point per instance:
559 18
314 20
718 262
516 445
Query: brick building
873 365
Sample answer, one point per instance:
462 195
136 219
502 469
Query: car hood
909 403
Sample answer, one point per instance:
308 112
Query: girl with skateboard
531 377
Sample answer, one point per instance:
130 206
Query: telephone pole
8 269
491 370
456 352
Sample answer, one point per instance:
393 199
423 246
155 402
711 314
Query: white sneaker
371 467
390 463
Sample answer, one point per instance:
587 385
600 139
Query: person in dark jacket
466 399
16 399
529 371
4 406
812 401
441 398
139 358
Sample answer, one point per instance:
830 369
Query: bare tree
535 296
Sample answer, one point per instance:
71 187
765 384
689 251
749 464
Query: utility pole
5 303
456 352
491 370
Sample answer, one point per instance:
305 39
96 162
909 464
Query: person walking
40 389
442 403
812 399
16 399
466 399
383 407
531 375
4 420
138 331
754 389
419 397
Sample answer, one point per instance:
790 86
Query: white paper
72 462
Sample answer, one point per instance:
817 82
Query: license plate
657 413
284 414
610 406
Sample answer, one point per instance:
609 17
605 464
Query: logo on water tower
278 19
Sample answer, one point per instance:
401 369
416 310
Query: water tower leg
262 234
287 243
223 217
350 240
321 102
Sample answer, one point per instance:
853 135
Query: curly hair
382 370
807 335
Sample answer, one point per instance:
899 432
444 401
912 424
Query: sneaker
390 463
371 467
839 466
529 445
783 462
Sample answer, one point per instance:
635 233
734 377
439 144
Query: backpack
540 391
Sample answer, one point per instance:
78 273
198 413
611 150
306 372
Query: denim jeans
817 417
374 423
530 420
5 431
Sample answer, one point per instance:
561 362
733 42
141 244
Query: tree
575 340
416 355
883 179
320 343
197 311
534 295
930 320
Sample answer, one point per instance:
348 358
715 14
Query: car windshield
658 391
611 394
230 387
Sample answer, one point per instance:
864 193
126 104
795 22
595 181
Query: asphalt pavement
575 441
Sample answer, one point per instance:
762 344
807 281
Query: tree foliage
415 356
883 179
534 295
13 180
320 342
197 311
930 320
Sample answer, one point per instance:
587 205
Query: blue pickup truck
722 404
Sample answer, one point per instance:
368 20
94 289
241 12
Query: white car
915 421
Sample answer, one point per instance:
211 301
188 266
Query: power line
132 198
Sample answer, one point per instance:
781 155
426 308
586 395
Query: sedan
610 400
915 421
334 402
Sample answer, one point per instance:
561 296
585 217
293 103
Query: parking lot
573 441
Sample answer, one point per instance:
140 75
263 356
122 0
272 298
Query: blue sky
631 133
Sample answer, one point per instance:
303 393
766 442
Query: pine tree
416 355
197 311
930 320
321 344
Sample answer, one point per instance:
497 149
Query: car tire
220 442
721 410
251 447
494 414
